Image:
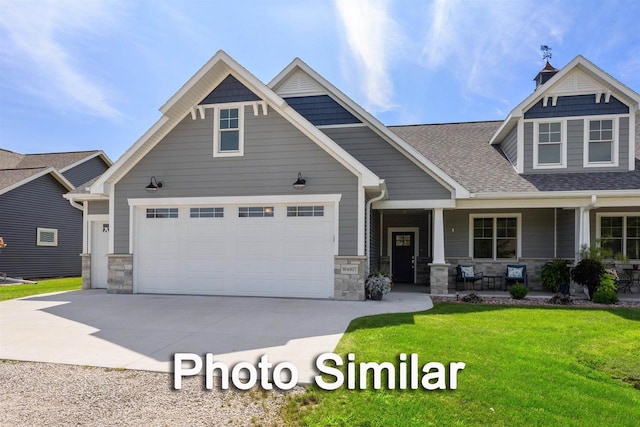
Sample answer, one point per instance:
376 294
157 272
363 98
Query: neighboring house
292 189
43 231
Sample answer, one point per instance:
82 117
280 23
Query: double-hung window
495 236
228 133
600 143
619 234
550 148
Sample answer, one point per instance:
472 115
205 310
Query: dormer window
550 146
228 132
601 143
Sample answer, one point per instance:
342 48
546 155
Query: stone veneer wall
86 271
349 285
499 268
120 280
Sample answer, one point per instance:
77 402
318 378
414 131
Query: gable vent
300 84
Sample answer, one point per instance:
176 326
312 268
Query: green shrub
605 296
608 283
518 291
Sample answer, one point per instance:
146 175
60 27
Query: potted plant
555 276
377 284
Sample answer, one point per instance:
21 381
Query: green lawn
42 287
528 366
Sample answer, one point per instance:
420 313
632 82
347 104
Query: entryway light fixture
300 182
153 186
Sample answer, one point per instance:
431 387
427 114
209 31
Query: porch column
439 273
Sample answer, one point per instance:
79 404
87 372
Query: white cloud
476 39
372 36
38 41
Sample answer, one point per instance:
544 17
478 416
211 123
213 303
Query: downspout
76 204
367 222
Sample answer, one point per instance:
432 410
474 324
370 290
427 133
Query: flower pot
376 296
564 289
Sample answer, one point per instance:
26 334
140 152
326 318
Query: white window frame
216 131
46 230
563 144
624 215
495 216
615 143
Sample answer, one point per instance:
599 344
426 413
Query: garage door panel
230 255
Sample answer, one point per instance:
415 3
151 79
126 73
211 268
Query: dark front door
402 258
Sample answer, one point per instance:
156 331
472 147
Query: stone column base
348 282
120 280
86 271
439 278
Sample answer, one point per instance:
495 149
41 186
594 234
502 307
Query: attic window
228 135
46 237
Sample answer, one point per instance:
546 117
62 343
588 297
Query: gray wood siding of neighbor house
575 148
98 207
510 147
405 180
86 171
39 203
274 152
537 232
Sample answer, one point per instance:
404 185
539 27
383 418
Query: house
292 189
43 231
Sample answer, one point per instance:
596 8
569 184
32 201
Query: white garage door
284 250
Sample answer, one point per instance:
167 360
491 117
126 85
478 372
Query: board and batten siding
537 231
86 171
575 148
405 180
274 152
39 203
510 147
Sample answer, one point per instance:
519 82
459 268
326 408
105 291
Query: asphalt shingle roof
9 177
462 150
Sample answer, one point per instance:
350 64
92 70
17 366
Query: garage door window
255 212
162 213
207 212
305 210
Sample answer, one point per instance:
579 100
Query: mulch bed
537 302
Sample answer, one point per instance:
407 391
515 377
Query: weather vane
546 52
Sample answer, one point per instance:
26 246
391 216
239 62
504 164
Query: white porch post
438 236
439 269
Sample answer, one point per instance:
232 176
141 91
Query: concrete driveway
143 332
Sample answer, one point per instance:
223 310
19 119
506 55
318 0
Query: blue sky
82 75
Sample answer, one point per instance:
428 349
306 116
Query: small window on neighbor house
255 212
550 143
305 210
207 212
162 213
600 141
47 237
228 133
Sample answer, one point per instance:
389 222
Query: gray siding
566 233
510 146
577 105
39 203
230 90
575 148
86 171
98 207
537 232
374 243
405 180
274 152
321 110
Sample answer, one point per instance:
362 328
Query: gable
322 110
299 83
229 90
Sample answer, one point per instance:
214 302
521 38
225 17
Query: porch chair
516 273
467 273
624 281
